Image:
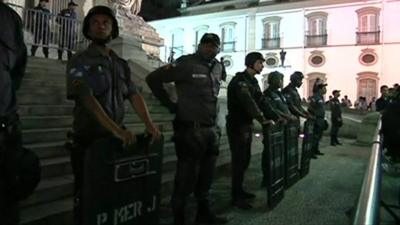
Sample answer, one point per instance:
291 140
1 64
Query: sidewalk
321 198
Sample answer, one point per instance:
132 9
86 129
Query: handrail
367 211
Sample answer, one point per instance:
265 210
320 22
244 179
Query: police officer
274 107
292 96
317 109
12 68
276 98
40 26
99 81
197 78
67 19
336 117
244 95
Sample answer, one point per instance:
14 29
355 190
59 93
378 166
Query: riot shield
291 153
306 147
274 163
122 186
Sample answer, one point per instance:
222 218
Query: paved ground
321 198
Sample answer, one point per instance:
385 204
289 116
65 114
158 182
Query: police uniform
196 136
12 68
244 95
336 119
105 77
293 100
67 31
317 109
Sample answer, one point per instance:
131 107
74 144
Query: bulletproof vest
237 111
198 92
278 101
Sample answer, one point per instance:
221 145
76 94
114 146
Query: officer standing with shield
99 81
292 96
317 109
244 95
13 59
197 79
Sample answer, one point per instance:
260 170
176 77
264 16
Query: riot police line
118 173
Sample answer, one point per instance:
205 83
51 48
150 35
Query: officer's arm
268 110
248 102
155 81
292 106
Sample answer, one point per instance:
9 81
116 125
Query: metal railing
367 211
228 46
51 31
316 40
271 43
371 37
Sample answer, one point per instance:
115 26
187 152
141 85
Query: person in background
67 19
381 102
336 117
39 24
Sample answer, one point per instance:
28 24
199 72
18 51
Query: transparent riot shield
274 163
291 153
306 147
122 186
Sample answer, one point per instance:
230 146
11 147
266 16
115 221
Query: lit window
368 25
199 32
316 59
316 34
367 85
177 42
228 37
271 39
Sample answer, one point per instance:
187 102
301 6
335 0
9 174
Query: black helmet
296 76
252 57
274 76
100 9
210 38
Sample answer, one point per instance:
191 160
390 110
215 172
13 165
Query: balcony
368 38
316 40
271 43
228 46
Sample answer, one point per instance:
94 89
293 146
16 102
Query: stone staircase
46 118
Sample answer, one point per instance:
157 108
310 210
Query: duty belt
193 124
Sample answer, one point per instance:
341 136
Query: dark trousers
240 137
196 150
334 131
10 147
67 40
317 135
41 36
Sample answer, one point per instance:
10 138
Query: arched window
271 39
316 34
311 78
367 85
228 37
368 25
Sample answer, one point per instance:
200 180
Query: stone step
42 122
33 136
67 109
54 167
60 211
48 149
51 189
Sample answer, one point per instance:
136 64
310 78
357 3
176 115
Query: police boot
333 141
46 52
69 55
206 217
337 141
